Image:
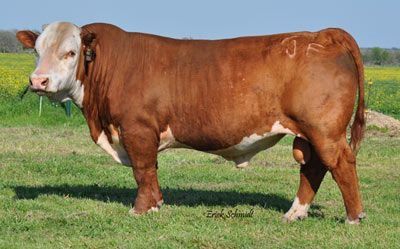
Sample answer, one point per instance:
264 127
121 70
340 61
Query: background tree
8 42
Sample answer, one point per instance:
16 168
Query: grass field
59 190
383 90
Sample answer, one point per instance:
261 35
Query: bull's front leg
141 145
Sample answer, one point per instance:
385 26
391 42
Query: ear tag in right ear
89 54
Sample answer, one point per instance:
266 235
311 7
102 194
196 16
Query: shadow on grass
179 197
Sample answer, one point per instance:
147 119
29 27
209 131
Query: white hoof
152 209
133 212
160 203
296 212
357 221
242 165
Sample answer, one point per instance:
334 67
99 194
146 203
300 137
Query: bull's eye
70 54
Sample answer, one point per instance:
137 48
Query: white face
58 48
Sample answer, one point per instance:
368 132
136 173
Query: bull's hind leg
341 162
312 172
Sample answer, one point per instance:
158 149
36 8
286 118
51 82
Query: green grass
16 112
58 189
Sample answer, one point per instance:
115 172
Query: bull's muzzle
38 84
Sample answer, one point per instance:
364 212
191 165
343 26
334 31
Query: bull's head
59 50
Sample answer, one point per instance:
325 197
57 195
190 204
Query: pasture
58 189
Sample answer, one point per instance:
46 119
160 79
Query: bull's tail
358 126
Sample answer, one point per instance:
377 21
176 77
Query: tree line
8 42
381 57
371 56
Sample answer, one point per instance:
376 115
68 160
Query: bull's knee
301 150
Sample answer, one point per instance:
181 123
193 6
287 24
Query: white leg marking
297 211
160 203
361 216
152 209
242 164
133 212
352 222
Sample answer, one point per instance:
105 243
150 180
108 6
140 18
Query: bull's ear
88 38
27 38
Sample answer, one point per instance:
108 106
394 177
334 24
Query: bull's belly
240 153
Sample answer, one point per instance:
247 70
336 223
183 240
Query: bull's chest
114 145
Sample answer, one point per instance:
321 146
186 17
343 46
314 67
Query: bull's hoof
357 221
296 212
293 215
242 165
135 212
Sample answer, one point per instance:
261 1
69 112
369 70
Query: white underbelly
247 148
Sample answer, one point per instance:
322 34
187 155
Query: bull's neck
105 72
96 83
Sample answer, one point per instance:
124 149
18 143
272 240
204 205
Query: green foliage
381 56
9 42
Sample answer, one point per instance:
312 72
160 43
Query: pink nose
39 83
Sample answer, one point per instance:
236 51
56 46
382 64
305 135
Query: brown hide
211 95
214 93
